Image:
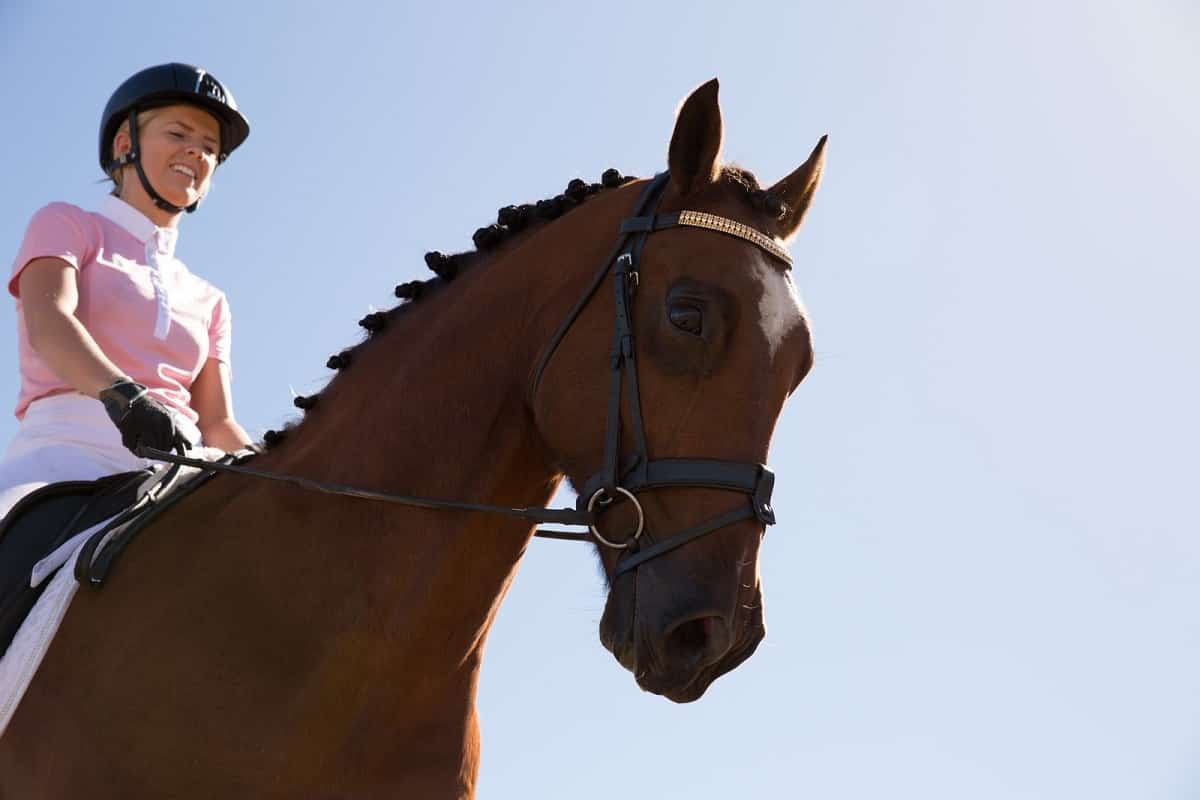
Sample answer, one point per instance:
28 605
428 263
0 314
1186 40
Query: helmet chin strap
134 157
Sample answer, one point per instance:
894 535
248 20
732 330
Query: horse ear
797 189
696 142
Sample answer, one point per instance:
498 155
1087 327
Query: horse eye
686 317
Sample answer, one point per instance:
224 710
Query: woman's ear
122 143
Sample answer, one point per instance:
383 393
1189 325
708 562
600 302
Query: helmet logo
207 85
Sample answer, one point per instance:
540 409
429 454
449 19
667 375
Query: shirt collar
142 227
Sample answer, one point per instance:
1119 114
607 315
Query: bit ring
599 497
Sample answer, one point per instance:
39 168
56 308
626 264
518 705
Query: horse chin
693 688
731 661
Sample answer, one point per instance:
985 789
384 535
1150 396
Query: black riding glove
142 420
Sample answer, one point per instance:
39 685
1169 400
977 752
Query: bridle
637 472
619 476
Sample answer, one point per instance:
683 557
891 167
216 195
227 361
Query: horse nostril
702 639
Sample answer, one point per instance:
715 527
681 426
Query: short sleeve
58 230
220 331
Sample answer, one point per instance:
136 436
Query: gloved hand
142 420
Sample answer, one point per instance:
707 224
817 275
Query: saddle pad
24 655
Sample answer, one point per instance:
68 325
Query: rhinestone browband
700 219
712 222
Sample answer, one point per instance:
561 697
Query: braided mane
511 221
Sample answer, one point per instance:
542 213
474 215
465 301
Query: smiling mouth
183 170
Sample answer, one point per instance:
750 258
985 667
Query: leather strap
712 222
705 472
683 537
650 190
562 516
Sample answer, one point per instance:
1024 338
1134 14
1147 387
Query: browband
712 222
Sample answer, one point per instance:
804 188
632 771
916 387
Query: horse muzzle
678 656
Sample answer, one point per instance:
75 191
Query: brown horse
274 643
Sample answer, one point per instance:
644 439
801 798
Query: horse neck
436 405
438 401
432 405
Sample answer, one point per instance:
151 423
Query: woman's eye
687 318
176 134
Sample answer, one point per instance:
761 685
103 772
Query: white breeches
67 437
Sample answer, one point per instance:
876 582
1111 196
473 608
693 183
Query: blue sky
985 578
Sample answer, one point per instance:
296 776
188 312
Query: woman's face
179 147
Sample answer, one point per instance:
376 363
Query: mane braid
511 221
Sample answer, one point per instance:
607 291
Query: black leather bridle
636 471
619 476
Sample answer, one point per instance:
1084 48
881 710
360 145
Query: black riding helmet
164 85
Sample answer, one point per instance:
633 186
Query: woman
120 346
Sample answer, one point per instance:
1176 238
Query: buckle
762 496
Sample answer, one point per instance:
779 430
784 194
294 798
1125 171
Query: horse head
717 342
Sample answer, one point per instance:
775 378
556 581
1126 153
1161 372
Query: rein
562 516
620 476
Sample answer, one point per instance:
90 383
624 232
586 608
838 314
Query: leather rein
620 476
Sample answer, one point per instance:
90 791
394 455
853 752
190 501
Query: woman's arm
49 296
212 398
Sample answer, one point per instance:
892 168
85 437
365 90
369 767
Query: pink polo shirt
153 318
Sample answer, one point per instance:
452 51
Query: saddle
50 516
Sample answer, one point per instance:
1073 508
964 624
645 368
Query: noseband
619 476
